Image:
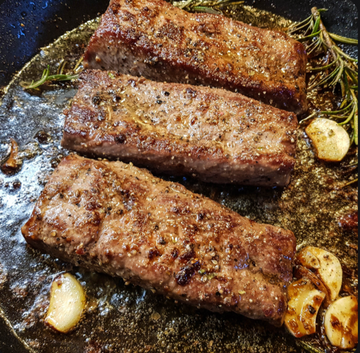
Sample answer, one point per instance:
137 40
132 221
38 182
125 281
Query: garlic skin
67 303
331 141
303 306
325 265
341 322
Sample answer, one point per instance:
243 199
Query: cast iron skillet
27 25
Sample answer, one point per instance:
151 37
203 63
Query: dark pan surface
125 317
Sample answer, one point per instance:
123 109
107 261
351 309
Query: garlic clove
302 272
67 303
331 141
303 306
329 269
341 322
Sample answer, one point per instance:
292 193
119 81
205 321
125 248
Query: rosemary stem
327 40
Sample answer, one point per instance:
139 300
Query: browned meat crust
154 39
115 218
213 134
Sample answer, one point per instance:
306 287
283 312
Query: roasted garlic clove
327 268
67 302
341 322
303 306
302 272
331 141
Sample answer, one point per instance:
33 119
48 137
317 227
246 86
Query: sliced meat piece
212 134
154 39
115 218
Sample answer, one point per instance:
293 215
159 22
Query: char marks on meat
212 134
154 39
115 218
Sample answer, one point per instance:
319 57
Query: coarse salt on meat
208 133
161 42
118 219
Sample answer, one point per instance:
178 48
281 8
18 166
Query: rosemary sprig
208 6
342 70
60 76
46 77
